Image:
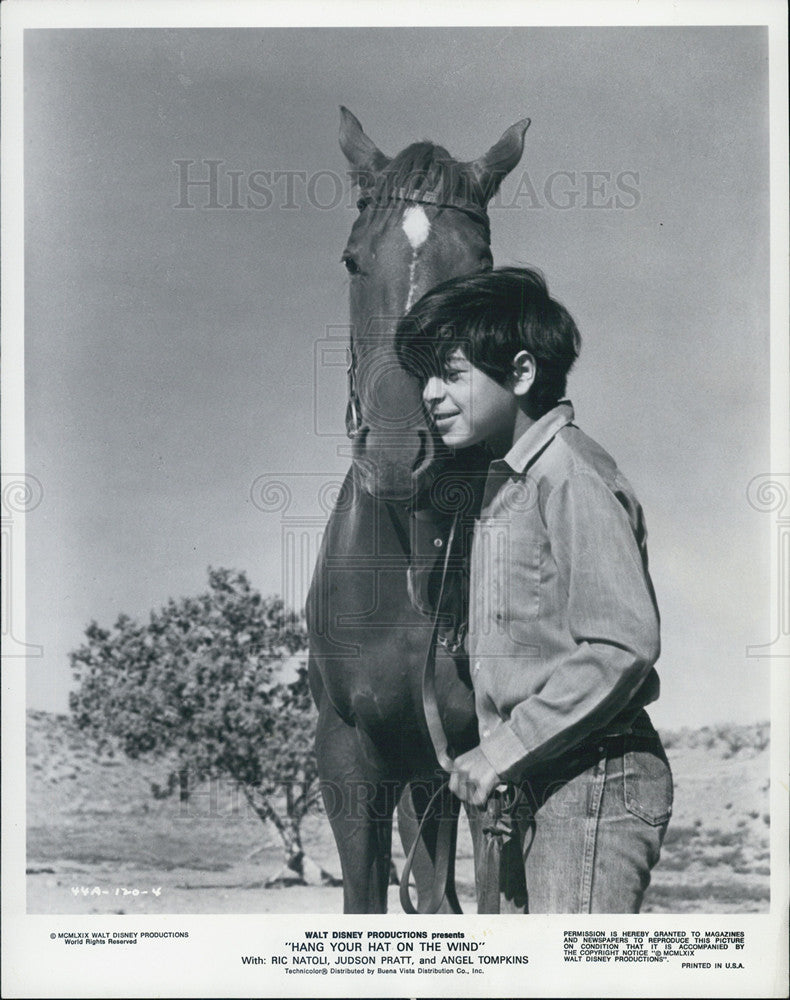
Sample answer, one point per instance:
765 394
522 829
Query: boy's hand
473 779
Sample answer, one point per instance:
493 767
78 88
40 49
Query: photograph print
398 497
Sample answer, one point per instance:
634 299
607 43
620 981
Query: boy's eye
453 374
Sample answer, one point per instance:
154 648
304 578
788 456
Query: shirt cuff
503 750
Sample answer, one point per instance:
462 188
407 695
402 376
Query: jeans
588 830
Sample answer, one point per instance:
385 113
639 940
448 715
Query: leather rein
496 817
446 823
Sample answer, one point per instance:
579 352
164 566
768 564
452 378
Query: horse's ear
491 169
364 157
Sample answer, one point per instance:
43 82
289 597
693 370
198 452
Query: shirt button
486 733
438 542
477 665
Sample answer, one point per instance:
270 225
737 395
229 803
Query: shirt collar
536 437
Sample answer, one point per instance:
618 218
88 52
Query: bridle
353 414
433 198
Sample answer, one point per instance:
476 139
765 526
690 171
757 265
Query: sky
174 356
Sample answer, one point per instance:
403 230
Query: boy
564 627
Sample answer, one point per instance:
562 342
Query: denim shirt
564 626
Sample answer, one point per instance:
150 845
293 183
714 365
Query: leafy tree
199 682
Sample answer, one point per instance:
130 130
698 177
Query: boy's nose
434 389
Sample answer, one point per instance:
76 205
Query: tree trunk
299 869
183 784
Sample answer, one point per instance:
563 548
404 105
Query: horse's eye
351 265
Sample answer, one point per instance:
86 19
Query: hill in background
104 822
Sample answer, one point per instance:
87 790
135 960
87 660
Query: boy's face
469 407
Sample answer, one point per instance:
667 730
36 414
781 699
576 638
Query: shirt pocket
519 597
647 780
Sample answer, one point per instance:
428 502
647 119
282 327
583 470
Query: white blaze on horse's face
417 227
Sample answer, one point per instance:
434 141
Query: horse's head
422 221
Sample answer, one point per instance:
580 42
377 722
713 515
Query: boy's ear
524 372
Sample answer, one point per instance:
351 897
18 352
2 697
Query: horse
422 220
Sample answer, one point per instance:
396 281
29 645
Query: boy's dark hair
491 316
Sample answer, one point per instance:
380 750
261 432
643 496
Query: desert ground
101 823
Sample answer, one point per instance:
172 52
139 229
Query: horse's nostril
358 441
429 450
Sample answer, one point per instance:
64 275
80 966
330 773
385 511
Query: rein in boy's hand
473 779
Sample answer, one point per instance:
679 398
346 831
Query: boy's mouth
439 418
